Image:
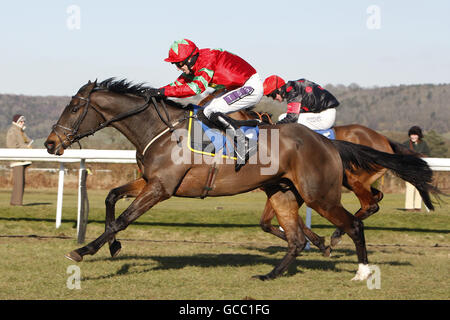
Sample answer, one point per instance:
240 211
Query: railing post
59 201
308 224
83 204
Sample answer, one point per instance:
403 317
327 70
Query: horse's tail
408 167
400 149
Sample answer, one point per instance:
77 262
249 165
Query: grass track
209 249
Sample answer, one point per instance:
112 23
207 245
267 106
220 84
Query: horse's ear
89 82
95 82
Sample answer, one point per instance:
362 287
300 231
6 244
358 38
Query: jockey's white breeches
241 98
318 121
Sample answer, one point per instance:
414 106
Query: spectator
16 138
413 200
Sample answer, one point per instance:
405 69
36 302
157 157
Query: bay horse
309 167
357 180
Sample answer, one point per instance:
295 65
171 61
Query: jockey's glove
290 117
153 92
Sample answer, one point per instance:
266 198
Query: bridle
72 136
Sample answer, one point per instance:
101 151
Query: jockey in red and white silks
217 68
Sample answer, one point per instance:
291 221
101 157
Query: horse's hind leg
286 209
377 194
354 227
367 196
131 189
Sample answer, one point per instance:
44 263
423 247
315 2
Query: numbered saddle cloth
206 139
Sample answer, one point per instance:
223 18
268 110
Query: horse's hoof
74 256
114 248
327 252
363 273
335 241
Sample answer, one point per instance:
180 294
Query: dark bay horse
308 166
358 180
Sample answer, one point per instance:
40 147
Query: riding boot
237 134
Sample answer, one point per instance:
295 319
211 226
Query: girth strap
209 181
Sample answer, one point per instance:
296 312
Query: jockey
218 69
307 102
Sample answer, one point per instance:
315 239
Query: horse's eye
75 109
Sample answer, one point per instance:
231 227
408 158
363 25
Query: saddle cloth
329 133
205 139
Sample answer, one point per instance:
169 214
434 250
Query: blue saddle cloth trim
329 133
218 138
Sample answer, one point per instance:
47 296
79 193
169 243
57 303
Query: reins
119 117
166 122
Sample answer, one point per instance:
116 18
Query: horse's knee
297 246
117 225
265 226
301 244
111 198
357 230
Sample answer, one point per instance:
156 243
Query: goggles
274 93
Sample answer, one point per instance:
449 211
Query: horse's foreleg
131 189
315 239
265 223
150 195
286 209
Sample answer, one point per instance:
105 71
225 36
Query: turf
210 249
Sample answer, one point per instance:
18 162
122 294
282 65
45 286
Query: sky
55 47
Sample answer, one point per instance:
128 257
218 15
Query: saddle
206 138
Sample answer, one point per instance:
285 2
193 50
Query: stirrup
242 154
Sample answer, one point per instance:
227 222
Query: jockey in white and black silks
307 102
217 68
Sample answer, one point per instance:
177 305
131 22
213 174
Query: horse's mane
125 86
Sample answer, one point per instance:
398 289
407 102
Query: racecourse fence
84 156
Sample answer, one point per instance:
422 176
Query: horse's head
77 119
